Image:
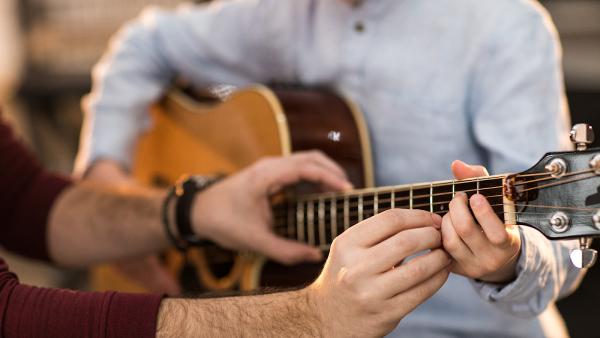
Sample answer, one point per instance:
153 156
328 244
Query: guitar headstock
560 195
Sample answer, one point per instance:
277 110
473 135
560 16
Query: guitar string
425 187
399 188
575 179
593 210
487 188
561 207
353 205
354 213
534 174
406 198
551 178
284 230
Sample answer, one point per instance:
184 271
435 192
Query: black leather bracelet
178 243
186 191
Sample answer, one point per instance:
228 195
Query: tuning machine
582 135
584 257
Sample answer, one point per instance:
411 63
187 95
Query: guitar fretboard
317 219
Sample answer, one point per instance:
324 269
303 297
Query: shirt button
359 26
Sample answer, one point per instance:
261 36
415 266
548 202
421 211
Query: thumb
288 252
462 171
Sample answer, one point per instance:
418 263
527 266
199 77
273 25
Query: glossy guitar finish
207 135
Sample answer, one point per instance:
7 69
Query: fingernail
348 186
460 194
437 220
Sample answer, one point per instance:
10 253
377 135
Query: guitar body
204 135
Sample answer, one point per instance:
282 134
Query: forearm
286 314
90 223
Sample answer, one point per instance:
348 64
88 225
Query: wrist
200 214
315 306
506 273
180 212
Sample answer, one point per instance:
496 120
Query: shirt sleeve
224 42
27 311
519 113
544 274
27 193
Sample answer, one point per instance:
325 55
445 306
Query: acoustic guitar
210 134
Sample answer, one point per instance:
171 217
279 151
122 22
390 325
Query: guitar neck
317 219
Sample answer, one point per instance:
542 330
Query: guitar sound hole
220 263
220 260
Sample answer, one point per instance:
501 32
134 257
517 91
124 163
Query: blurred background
48 48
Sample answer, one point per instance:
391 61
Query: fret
333 214
421 198
375 203
368 206
360 207
431 197
346 213
453 188
493 191
410 198
469 187
477 179
441 196
402 199
300 221
392 199
321 213
310 215
384 201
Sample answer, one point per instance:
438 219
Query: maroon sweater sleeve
38 312
27 194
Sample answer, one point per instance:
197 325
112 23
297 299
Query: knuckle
362 298
423 292
262 165
434 235
404 244
465 229
449 243
348 279
338 247
419 270
499 238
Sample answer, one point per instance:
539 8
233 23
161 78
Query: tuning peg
582 135
584 257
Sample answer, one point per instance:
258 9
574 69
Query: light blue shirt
438 80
